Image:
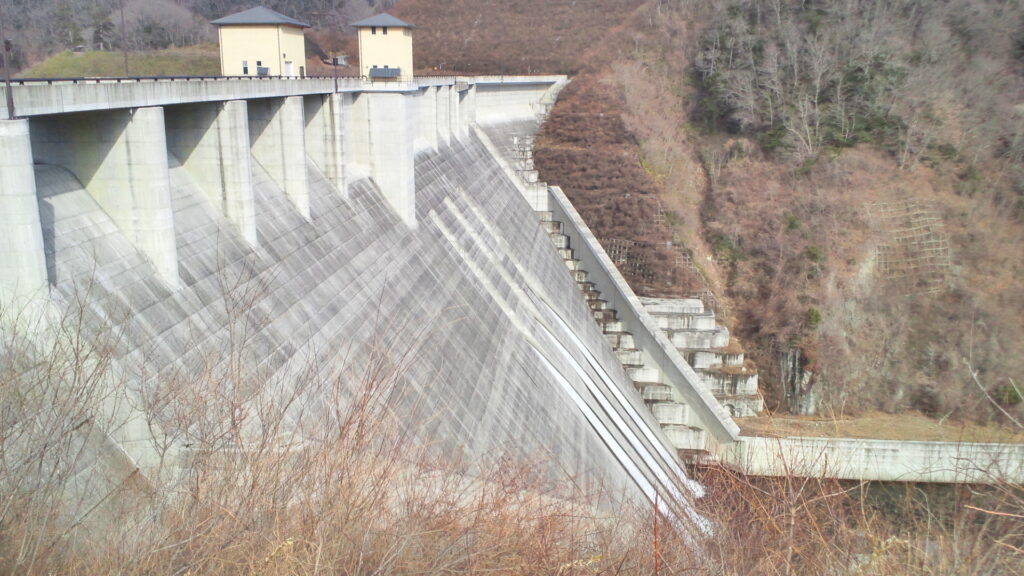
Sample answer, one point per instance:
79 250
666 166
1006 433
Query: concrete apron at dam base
350 219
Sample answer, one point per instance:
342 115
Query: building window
373 29
259 63
245 67
385 30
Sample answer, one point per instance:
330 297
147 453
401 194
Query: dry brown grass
808 526
909 425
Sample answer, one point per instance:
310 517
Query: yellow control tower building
385 48
261 42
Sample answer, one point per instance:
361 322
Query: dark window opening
384 30
245 67
373 29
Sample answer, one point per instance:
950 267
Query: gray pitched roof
259 15
382 20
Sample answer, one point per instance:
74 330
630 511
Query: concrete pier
467 110
392 120
279 145
454 116
426 135
325 142
212 142
23 265
121 158
442 101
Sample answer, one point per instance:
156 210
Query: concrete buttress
454 116
392 154
276 129
212 142
325 136
120 156
444 129
23 266
426 136
467 110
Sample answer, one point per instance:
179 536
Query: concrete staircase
668 409
708 348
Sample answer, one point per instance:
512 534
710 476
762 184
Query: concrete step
686 438
567 253
597 304
544 215
592 294
647 375
559 240
552 226
672 306
656 392
571 263
702 359
579 275
700 339
671 413
611 326
606 315
729 380
620 339
705 321
630 357
586 287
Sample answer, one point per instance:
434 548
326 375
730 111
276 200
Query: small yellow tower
385 48
261 42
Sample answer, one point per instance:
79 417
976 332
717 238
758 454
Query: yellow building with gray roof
261 42
385 48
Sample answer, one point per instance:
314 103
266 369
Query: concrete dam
214 246
263 231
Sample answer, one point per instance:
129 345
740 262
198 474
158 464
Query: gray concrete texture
504 357
36 98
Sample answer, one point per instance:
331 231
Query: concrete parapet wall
884 460
497 103
65 96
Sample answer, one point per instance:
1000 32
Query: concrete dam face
285 243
